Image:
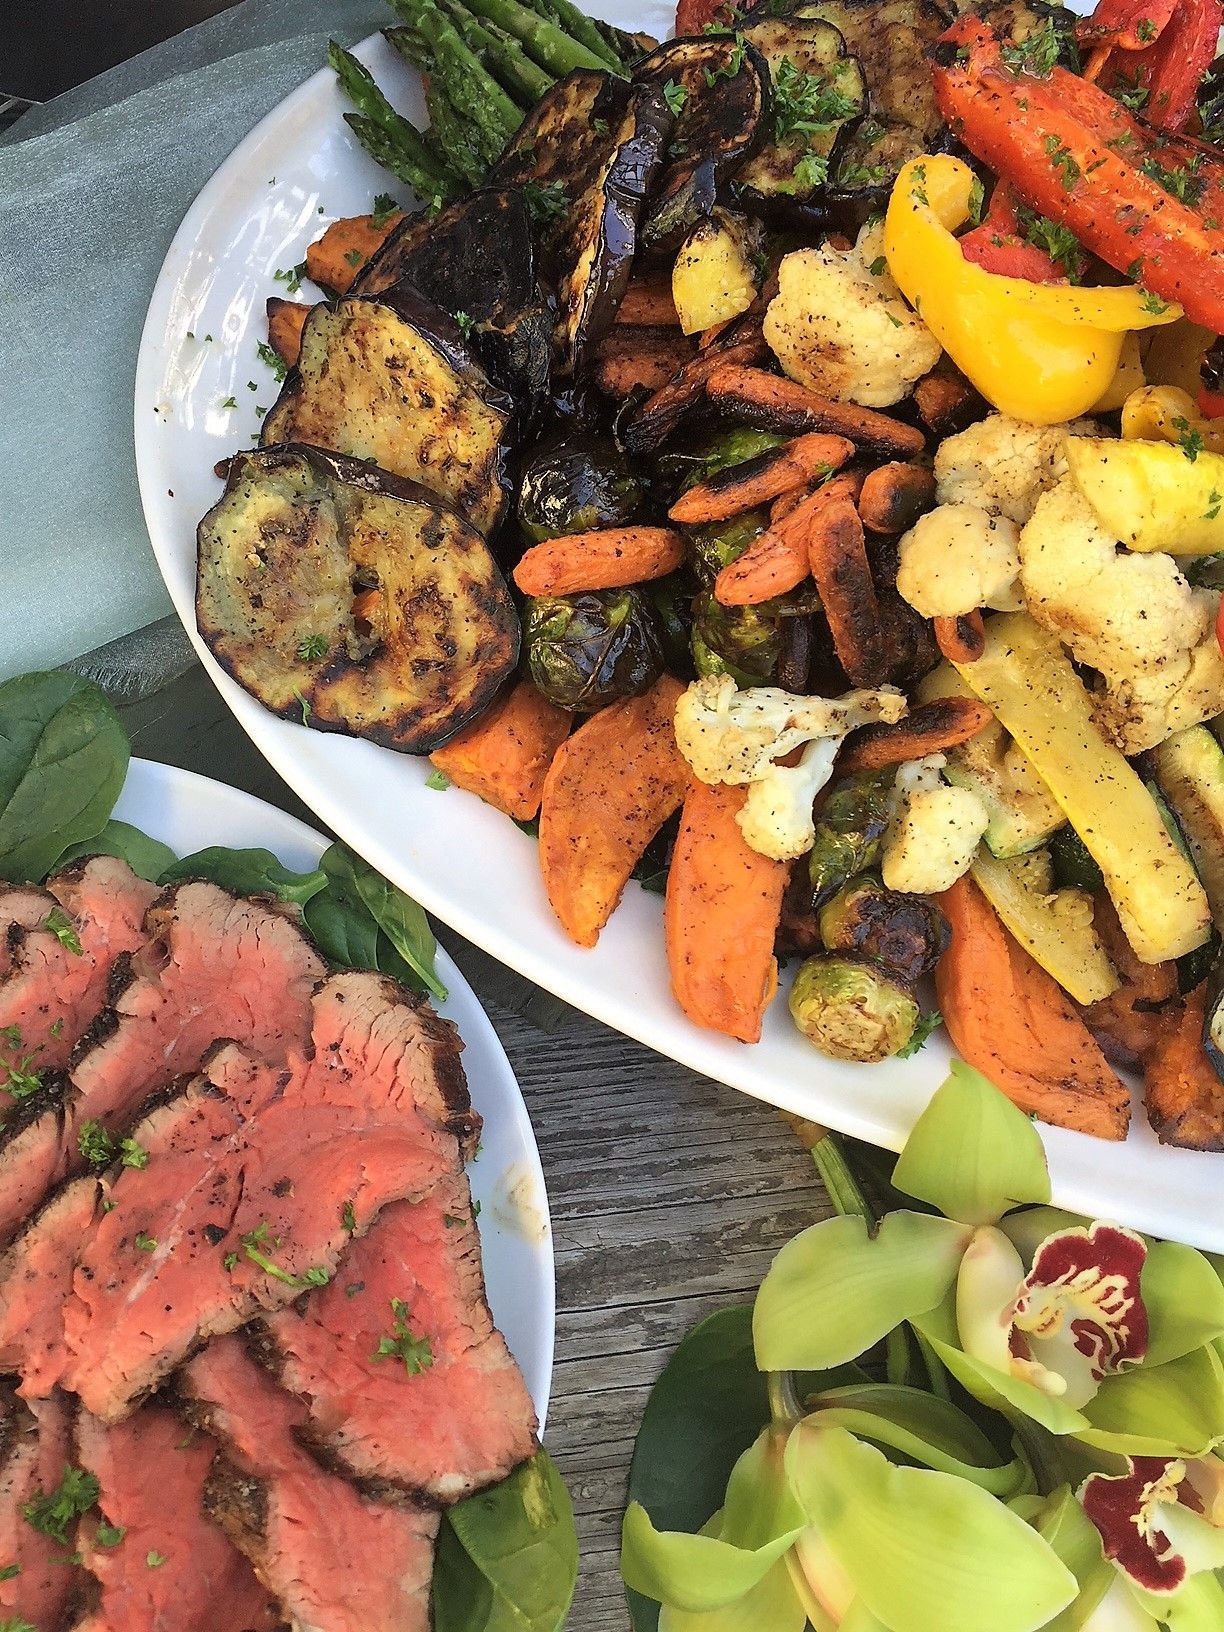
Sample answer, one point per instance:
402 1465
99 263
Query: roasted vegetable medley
784 465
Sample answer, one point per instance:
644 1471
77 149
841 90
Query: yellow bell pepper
1166 413
1039 352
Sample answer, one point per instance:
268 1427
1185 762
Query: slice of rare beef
35 1451
446 1411
54 989
158 1562
256 1179
208 966
336 1560
22 906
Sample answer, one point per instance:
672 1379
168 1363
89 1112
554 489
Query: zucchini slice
296 536
891 40
392 381
505 312
1190 771
721 89
817 90
586 159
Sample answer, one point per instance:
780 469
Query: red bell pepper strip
693 16
1210 403
998 247
1172 67
1129 24
1074 154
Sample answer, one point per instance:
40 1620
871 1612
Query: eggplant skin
602 143
391 380
295 535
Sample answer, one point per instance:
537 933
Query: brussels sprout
680 468
586 651
715 546
742 641
905 934
852 1010
574 487
672 599
849 832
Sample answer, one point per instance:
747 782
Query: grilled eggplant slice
818 90
891 40
586 158
505 311
391 380
721 123
352 599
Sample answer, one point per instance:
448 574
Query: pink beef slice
335 1559
35 1449
254 1175
22 907
207 966
50 996
460 1417
152 1470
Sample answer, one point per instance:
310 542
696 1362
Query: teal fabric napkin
92 188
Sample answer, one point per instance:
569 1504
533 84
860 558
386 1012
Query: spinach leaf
708 1406
404 924
365 923
63 758
337 916
246 872
508 1559
148 858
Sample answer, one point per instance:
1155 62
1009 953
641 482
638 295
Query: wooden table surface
669 1193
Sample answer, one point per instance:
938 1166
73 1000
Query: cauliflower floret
1003 465
934 831
957 558
1133 618
733 736
845 331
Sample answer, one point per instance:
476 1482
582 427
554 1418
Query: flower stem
785 1406
838 1180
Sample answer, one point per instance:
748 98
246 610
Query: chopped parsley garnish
272 358
403 1344
977 201
253 1243
806 104
56 1027
109 1535
1063 160
305 707
51 1515
927 1024
438 781
311 648
354 257
675 95
64 930
145 1242
1130 90
230 1259
451 1221
1214 501
1145 29
230 402
17 1623
731 67
381 211
1037 54
1180 180
1058 242
18 1080
1189 440
292 279
11 1034
856 175
133 1155
545 202
94 1143
466 323
600 125
9 1571
348 1217
1152 303
154 1559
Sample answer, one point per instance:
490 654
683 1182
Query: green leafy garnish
1189 439
675 95
1037 55
810 104
545 202
272 358
52 1514
1063 160
145 1242
438 781
292 278
154 1559
465 323
9 1571
927 1024
109 1535
381 211
348 1217
64 930
311 648
1182 181
254 1242
403 1344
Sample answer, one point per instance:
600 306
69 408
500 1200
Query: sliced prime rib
205 965
35 1449
257 1178
336 1560
441 1422
22 906
172 1569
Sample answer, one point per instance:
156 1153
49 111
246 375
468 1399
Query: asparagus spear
473 92
453 135
550 47
501 54
586 30
386 135
411 47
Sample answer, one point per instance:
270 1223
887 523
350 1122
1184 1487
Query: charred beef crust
47 1098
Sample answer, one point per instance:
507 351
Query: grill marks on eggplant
297 535
588 155
465 1420
390 380
35 1447
332 1557
152 1471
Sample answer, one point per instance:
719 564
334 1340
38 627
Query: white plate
190 812
296 171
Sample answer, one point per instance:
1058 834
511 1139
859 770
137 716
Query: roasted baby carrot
779 404
928 728
605 559
837 555
1185 1097
894 496
648 301
961 640
778 559
504 757
756 481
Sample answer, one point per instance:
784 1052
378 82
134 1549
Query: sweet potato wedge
894 496
1185 1097
778 559
609 790
837 555
928 728
503 757
1126 1023
778 404
756 481
723 907
1017 1026
335 259
606 559
286 320
961 640
639 359
648 302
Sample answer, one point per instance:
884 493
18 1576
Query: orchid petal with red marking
1162 1520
